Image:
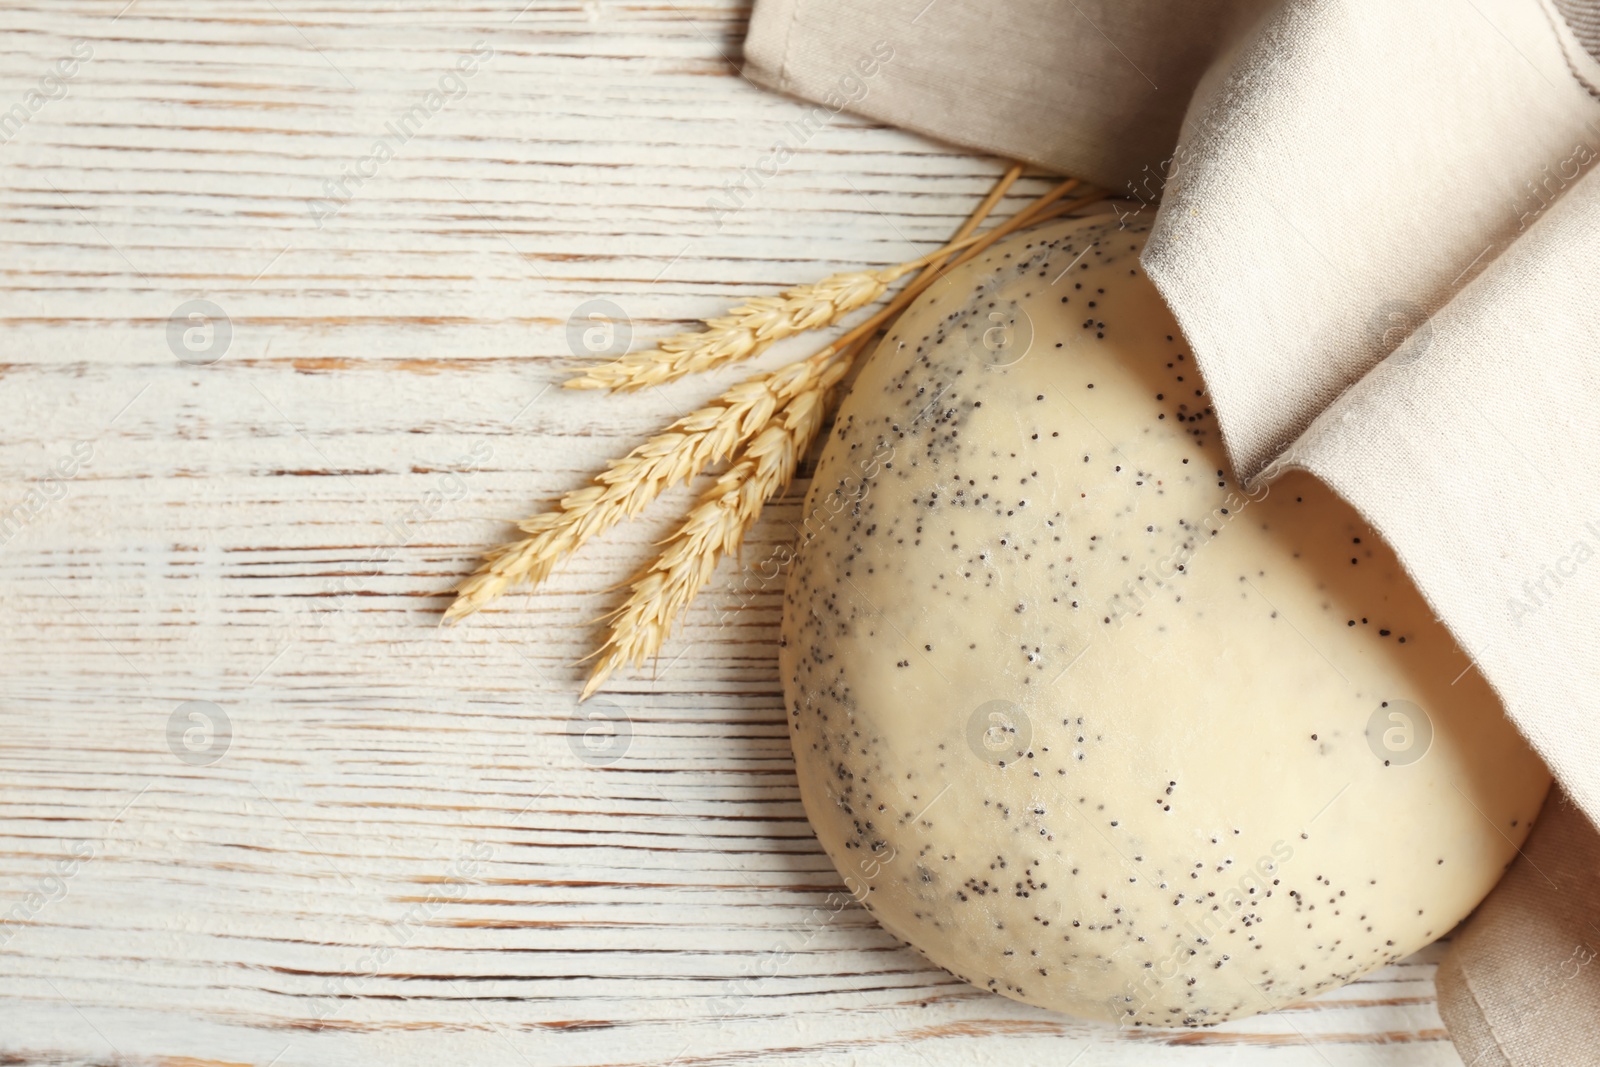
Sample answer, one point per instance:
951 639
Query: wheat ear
622 490
719 522
750 328
714 527
703 437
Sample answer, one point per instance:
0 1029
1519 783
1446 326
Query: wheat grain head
714 527
741 333
622 490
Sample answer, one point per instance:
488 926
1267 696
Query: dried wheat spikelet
622 490
773 416
750 328
662 592
714 527
1042 209
702 438
688 446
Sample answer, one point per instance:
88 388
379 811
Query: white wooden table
394 850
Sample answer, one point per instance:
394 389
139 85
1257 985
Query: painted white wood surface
400 855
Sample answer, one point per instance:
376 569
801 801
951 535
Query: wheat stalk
979 213
750 328
622 490
720 520
1039 211
775 416
714 527
701 438
681 451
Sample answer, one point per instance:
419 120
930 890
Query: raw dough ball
1085 723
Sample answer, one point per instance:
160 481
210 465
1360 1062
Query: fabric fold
1001 77
1522 973
1379 226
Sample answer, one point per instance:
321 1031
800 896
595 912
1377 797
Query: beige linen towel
1379 225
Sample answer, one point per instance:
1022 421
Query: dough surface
1084 722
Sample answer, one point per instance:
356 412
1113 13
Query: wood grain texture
405 853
